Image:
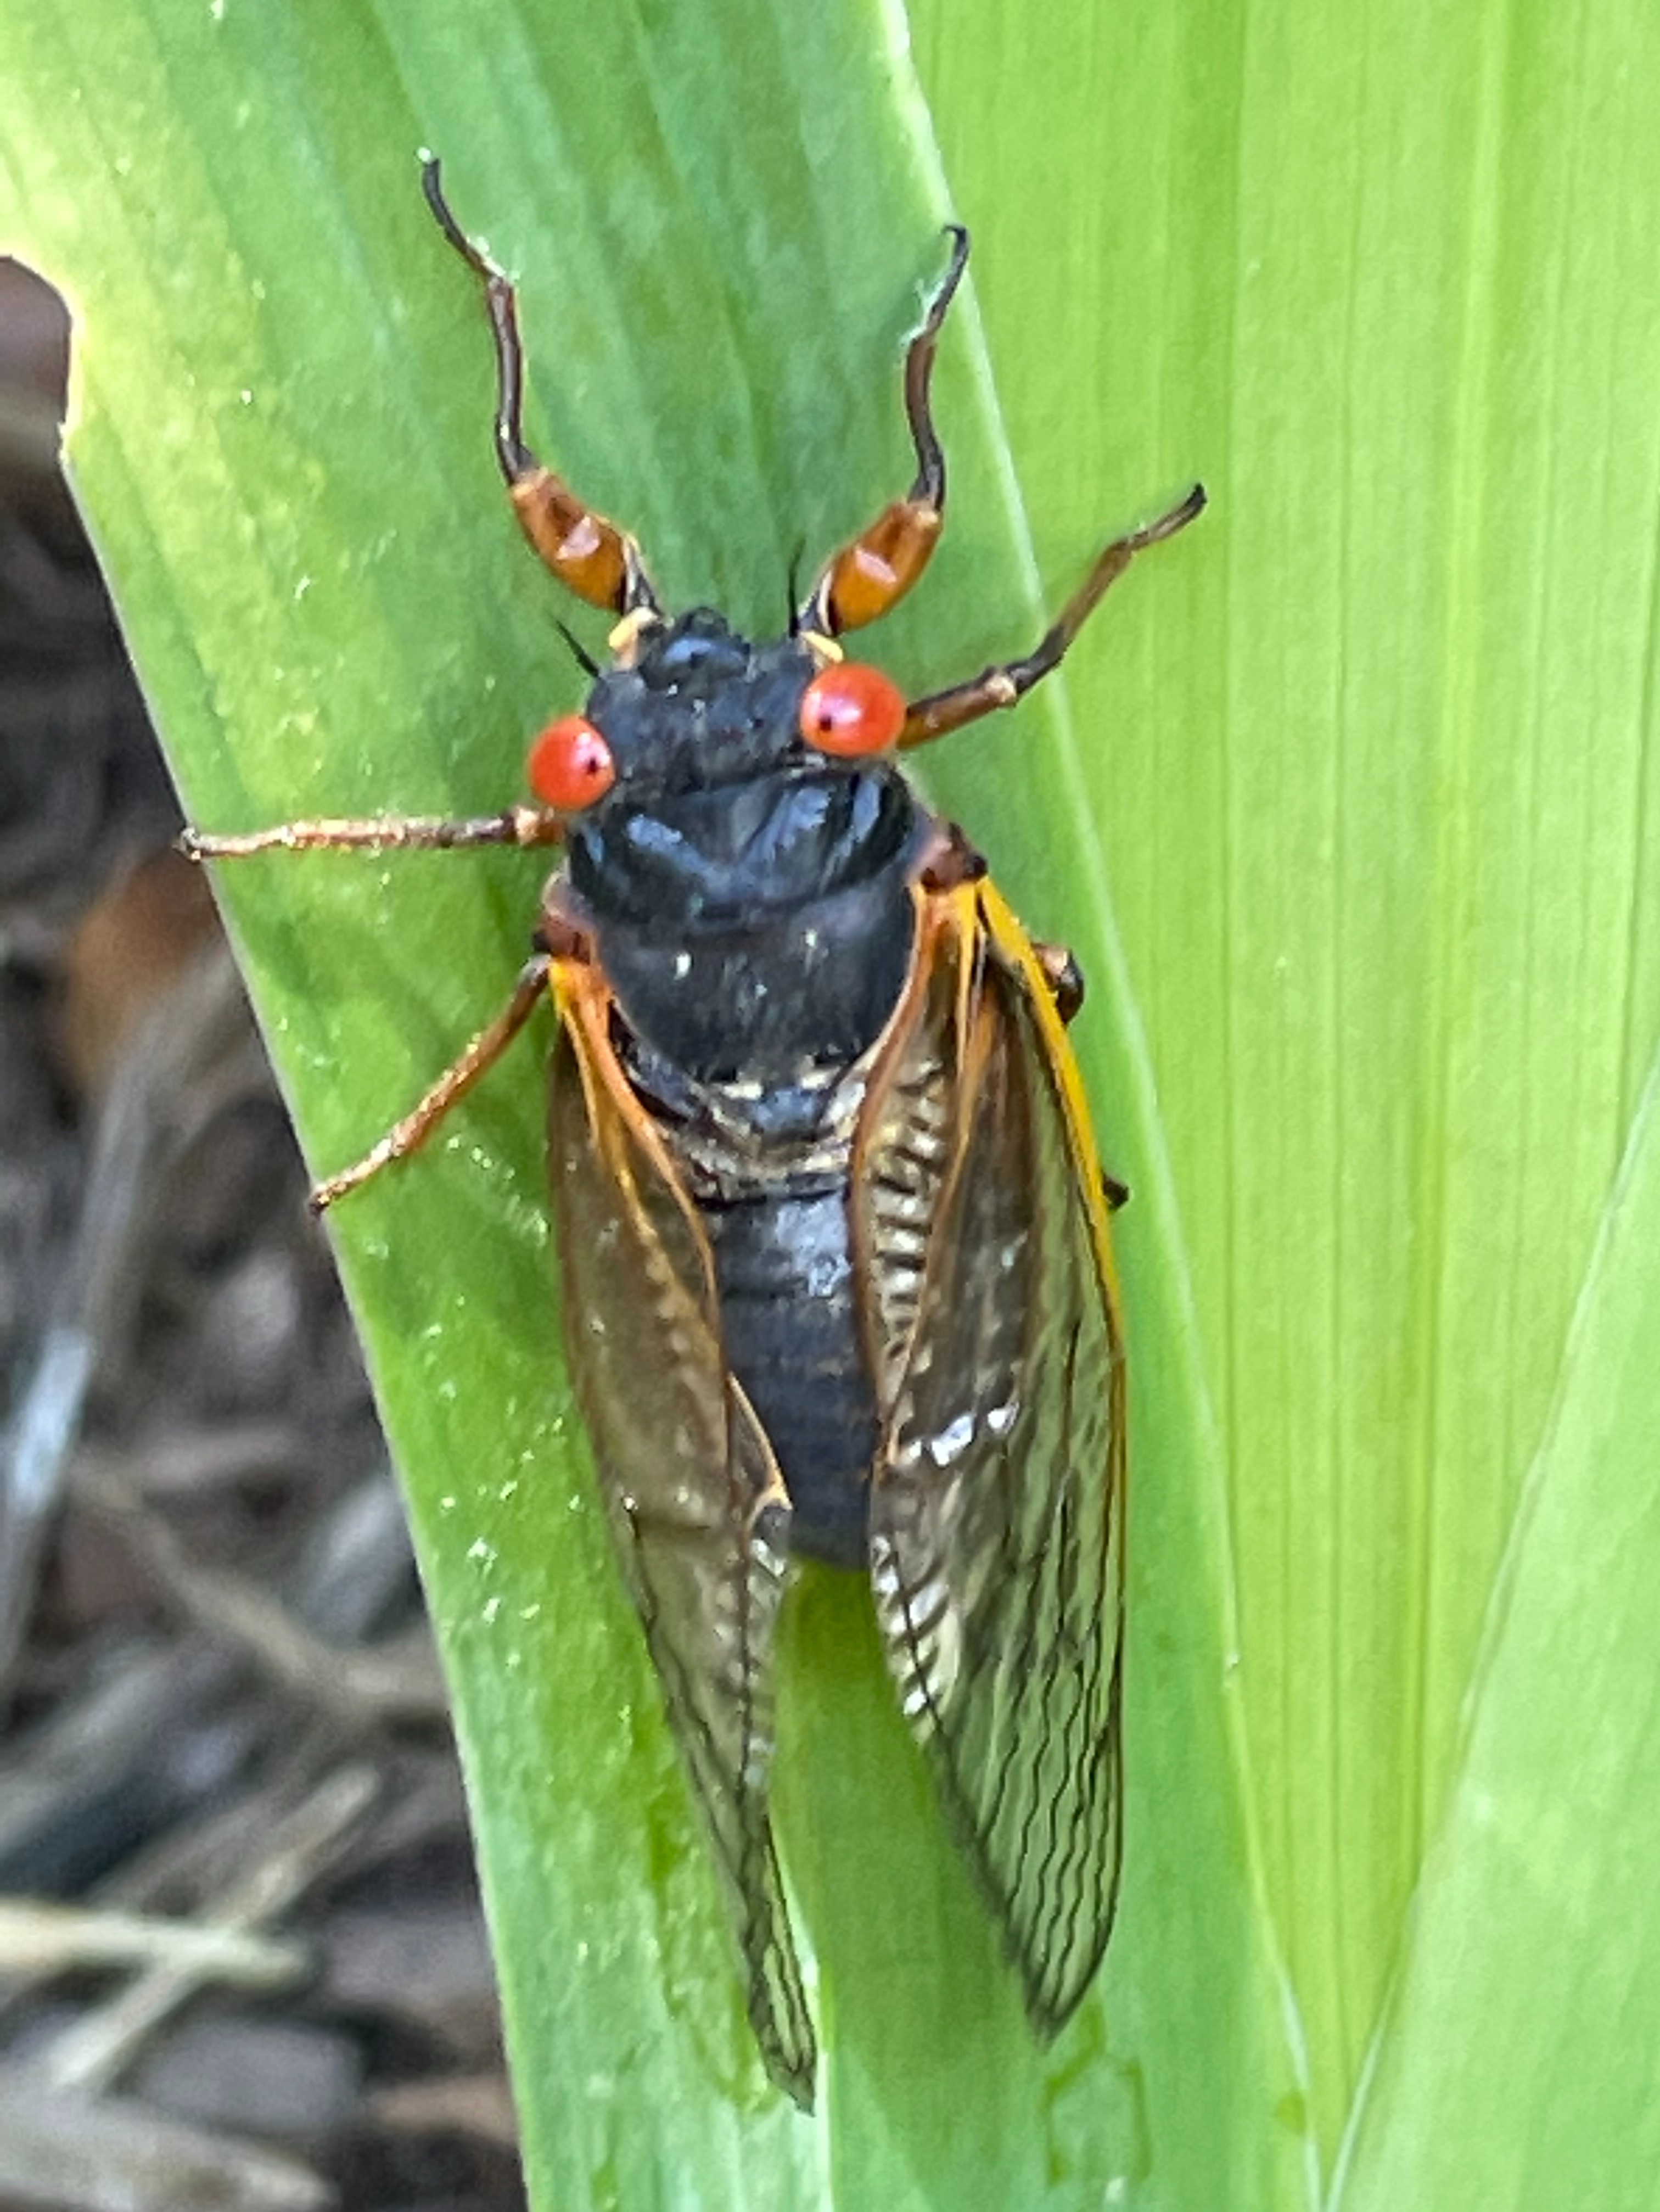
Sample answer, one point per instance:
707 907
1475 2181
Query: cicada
833 1233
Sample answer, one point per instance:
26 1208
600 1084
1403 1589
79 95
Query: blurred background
243 1962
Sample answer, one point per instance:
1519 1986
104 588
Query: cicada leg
1064 976
389 833
874 571
599 562
1002 684
416 1126
520 825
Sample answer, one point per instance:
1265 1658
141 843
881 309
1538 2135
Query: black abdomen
783 1266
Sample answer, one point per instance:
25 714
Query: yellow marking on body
1008 934
584 1000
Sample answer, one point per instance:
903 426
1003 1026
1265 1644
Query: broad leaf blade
281 442
1517 2060
1381 835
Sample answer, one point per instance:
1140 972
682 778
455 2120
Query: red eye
849 710
570 765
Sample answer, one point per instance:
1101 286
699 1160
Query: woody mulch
242 1964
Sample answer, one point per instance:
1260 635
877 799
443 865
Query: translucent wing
997 1498
696 1501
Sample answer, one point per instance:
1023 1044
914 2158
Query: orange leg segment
872 574
596 560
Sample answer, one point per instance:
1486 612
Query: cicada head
696 796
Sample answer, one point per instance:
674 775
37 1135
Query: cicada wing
997 1496
696 1505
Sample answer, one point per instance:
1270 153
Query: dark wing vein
997 1498
692 1488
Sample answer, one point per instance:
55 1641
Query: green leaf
1520 2044
1352 822
1381 839
280 439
